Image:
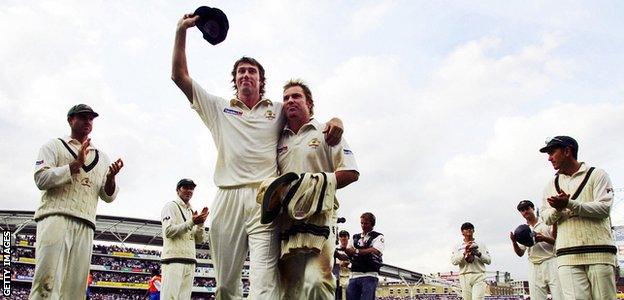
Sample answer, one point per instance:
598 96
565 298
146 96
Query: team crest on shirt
233 112
282 149
85 182
269 114
314 143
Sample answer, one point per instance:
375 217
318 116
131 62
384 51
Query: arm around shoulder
344 178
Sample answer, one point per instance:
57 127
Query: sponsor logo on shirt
347 152
39 162
269 114
314 143
282 149
232 112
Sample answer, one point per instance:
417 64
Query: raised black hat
212 23
524 235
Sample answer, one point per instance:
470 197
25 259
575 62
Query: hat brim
547 148
273 194
94 114
187 184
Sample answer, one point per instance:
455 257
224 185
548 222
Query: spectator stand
119 271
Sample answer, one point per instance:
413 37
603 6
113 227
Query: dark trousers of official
362 288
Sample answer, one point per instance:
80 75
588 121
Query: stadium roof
107 228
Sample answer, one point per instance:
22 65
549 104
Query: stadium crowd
20 271
114 263
119 277
25 252
110 249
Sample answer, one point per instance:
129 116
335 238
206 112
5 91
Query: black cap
212 23
80 109
343 233
560 141
524 235
185 182
467 225
524 204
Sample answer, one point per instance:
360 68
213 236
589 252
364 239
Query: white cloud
369 16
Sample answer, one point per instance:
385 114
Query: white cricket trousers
309 275
234 229
586 282
63 257
544 277
473 286
177 281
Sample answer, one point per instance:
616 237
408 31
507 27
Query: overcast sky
445 103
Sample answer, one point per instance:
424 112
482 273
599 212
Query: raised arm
179 69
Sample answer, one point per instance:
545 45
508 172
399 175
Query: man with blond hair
307 274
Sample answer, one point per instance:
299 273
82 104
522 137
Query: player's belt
587 249
188 261
81 220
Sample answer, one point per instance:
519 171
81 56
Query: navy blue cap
81 109
212 23
186 182
524 204
467 225
560 141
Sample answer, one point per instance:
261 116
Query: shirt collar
69 140
311 124
182 204
582 169
235 102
